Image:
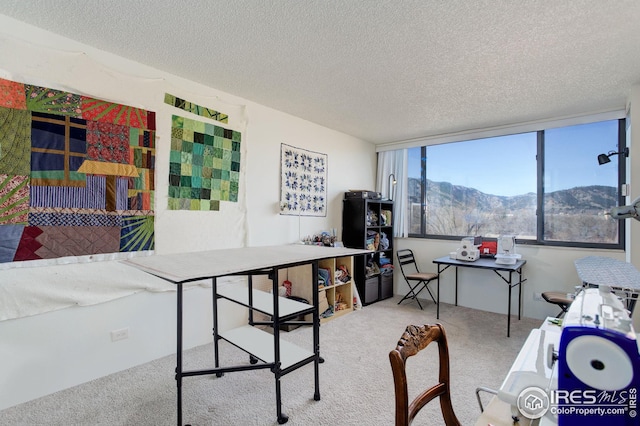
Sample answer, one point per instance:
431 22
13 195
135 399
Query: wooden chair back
413 340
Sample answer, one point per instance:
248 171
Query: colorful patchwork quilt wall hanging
76 175
204 166
195 108
303 185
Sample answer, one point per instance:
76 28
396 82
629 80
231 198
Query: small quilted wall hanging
76 175
204 166
195 108
303 183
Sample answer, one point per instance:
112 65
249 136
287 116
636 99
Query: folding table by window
505 272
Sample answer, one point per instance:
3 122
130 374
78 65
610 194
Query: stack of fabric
386 267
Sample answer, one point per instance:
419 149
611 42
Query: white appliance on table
507 250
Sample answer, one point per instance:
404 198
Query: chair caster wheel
219 374
253 360
282 419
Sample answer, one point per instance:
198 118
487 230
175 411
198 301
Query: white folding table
279 356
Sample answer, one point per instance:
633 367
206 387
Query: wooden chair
416 280
413 340
558 298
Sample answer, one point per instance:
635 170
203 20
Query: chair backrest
413 340
407 262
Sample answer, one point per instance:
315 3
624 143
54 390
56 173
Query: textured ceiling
381 70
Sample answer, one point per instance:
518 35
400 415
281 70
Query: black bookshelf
368 223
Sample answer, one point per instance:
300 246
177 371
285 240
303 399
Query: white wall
45 353
352 164
52 351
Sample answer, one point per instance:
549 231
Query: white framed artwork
303 184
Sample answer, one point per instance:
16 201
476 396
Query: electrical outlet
120 334
537 297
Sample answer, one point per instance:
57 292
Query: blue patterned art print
303 186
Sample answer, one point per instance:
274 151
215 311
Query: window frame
540 241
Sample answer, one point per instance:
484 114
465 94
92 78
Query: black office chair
416 280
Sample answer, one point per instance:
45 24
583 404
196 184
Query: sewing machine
584 372
598 362
468 249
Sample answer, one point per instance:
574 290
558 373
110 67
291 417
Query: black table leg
509 311
631 302
179 354
520 294
438 297
456 286
216 337
316 332
282 418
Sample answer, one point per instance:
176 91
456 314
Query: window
545 187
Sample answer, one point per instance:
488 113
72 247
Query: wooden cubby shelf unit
338 295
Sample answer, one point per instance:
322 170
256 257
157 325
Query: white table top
184 267
482 263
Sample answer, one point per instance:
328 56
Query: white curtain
394 162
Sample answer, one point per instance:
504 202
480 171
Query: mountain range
583 199
575 214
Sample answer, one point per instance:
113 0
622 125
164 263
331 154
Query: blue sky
507 165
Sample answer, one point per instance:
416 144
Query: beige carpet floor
356 384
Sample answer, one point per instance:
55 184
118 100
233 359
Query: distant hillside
585 199
595 198
459 210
